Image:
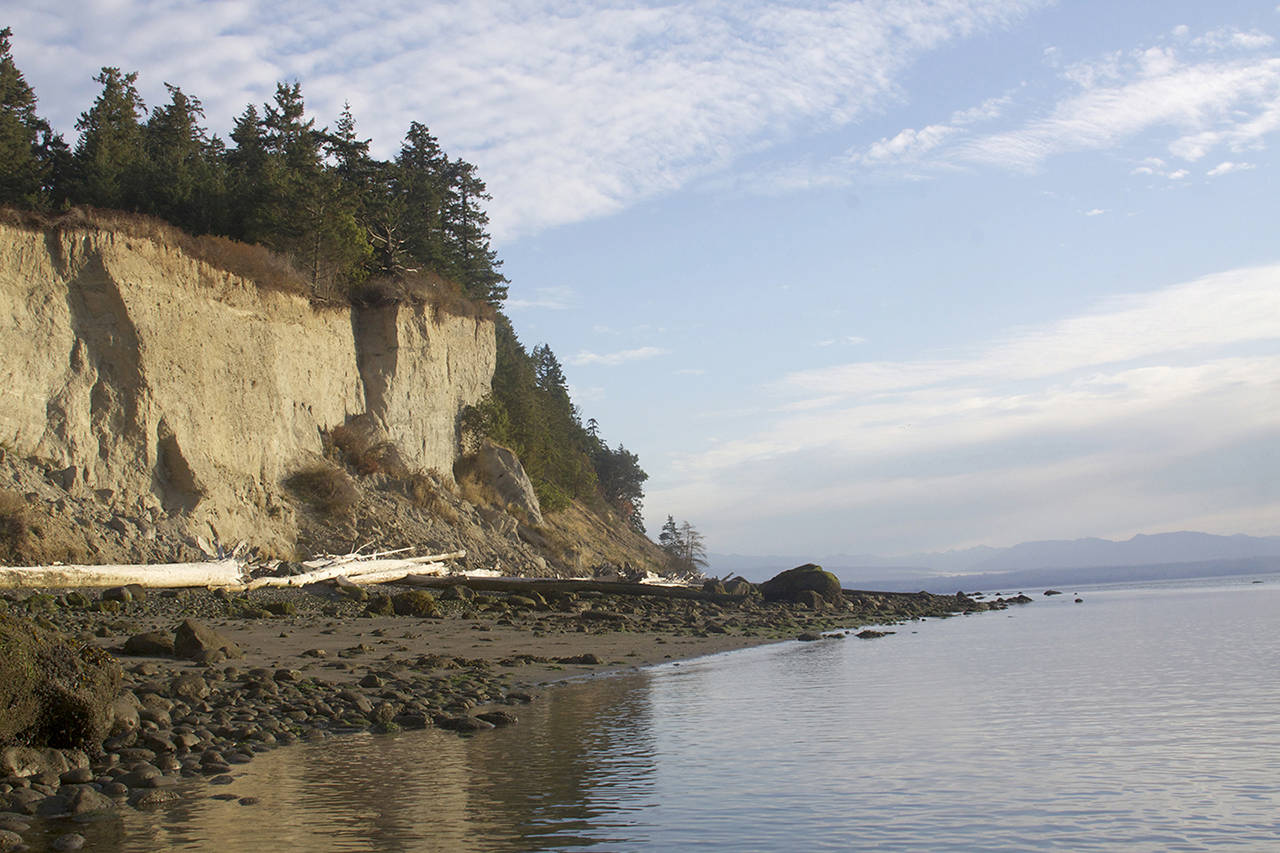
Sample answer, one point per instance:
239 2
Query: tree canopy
312 193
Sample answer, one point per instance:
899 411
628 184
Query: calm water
1142 719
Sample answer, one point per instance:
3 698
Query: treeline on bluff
354 227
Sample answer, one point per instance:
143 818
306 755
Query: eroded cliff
181 395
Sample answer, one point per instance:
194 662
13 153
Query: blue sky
877 277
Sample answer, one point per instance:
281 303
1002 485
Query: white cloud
612 359
1228 166
1194 100
570 111
549 298
1097 211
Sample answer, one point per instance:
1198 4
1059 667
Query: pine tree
182 170
24 170
109 153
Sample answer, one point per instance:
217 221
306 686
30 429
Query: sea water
1138 719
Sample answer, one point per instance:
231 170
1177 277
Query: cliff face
175 390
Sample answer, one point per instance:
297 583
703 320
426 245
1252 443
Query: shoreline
312 663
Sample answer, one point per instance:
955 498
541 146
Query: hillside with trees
354 227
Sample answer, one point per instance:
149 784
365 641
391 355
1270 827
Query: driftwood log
214 573
362 570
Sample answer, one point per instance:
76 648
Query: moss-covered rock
414 602
54 691
379 605
790 586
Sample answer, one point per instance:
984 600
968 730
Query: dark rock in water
53 690
10 840
790 586
197 642
1049 592
464 724
70 841
869 634
150 644
809 637
1079 601
1018 599
499 718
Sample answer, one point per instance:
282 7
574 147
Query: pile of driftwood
233 571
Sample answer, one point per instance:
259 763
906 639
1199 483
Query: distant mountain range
1144 557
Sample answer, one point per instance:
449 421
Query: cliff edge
179 396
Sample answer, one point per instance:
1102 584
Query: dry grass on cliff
14 526
326 487
258 264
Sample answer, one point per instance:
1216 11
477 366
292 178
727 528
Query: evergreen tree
25 168
109 155
182 170
421 188
471 262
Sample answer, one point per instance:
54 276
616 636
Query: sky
882 277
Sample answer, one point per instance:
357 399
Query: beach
279 666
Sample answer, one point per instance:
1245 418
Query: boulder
792 585
54 691
197 642
150 644
414 602
502 468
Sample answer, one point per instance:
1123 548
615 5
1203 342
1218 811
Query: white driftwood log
356 570
215 573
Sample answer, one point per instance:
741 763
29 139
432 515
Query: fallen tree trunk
355 570
215 573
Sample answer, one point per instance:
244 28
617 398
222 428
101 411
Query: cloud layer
570 110
1097 423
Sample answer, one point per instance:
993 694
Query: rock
153 797
869 634
189 686
76 800
502 468
70 841
414 602
588 659
790 586
464 724
714 586
150 644
1049 592
197 642
10 840
499 718
53 690
809 637
741 587
379 605
35 761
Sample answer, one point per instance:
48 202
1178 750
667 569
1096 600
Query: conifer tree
24 172
109 153
182 169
